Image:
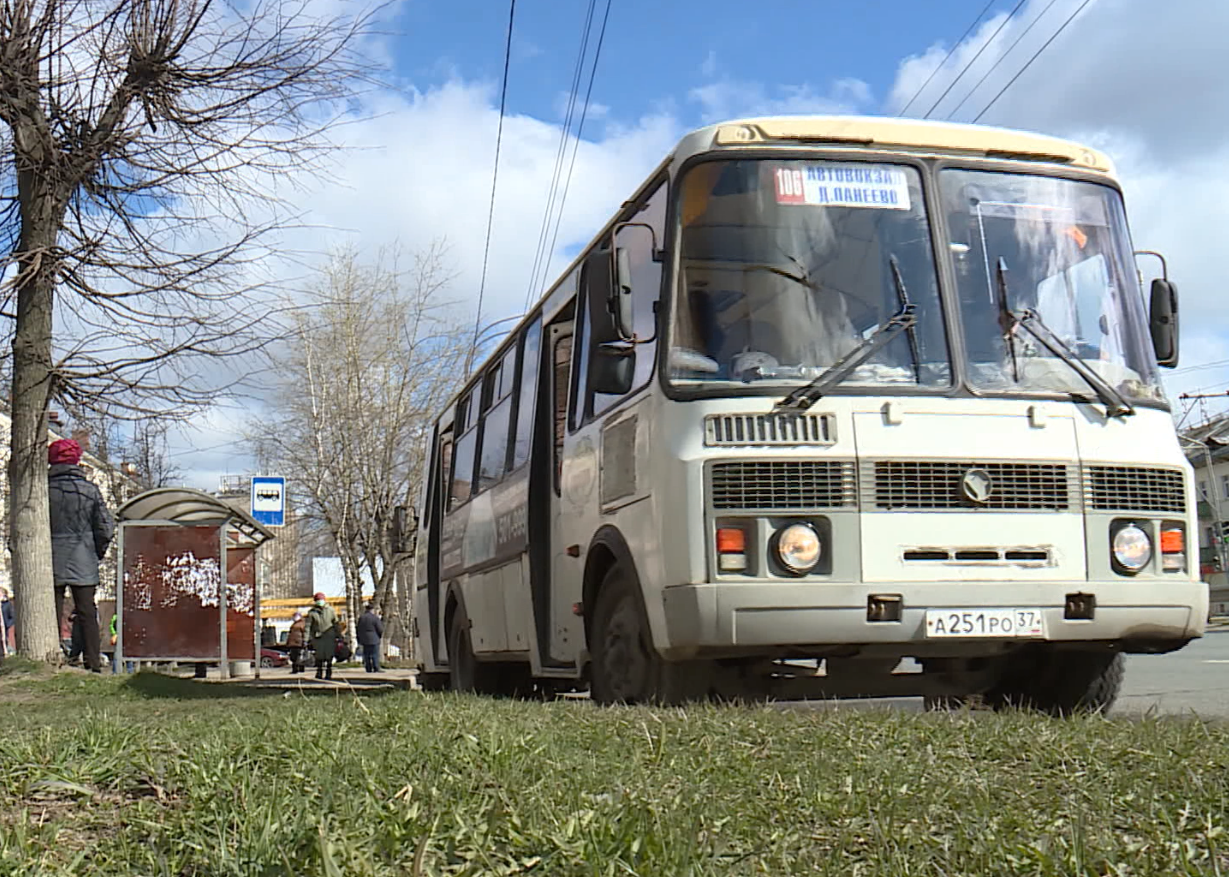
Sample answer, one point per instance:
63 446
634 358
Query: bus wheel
624 662
434 681
626 668
465 673
1062 683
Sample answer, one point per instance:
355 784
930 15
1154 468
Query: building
279 556
1207 448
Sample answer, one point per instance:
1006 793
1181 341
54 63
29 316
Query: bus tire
433 681
626 668
1064 683
465 672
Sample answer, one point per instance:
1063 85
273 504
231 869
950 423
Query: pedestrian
370 630
322 631
81 530
7 622
294 642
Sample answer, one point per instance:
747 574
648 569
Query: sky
1142 83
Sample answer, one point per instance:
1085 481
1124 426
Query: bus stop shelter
187 584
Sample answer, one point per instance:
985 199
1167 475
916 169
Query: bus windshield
1058 248
786 266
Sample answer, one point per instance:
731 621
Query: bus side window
531 361
496 424
562 363
463 469
444 477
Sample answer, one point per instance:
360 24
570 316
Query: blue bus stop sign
269 500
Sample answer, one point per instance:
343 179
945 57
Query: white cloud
1146 88
708 69
732 98
418 167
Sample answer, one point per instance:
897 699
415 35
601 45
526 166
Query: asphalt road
1193 680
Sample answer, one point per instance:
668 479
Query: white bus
826 394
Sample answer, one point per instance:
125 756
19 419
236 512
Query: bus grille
1135 489
782 484
768 429
914 484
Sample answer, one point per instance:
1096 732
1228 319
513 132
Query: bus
831 407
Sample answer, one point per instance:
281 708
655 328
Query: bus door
441 474
553 392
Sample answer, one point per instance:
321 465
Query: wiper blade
781 272
804 397
1031 322
1007 320
902 299
1115 405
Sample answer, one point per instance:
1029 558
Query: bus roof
912 134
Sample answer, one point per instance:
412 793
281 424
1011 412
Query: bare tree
144 150
359 385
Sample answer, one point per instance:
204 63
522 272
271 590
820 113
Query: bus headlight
799 548
1132 548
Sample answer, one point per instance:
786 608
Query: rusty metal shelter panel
241 604
172 578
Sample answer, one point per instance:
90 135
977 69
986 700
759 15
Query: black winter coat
369 629
81 526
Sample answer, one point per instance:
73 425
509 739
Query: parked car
270 658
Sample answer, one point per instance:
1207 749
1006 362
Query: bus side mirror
1163 320
621 295
612 358
612 368
404 530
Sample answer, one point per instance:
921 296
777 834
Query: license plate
979 623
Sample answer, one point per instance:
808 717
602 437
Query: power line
1003 57
948 57
560 154
1036 54
584 111
973 60
490 220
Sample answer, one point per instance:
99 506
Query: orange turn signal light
731 540
1172 542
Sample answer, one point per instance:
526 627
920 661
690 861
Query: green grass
149 775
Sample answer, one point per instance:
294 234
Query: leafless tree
145 151
359 385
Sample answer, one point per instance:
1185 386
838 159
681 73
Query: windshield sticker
843 185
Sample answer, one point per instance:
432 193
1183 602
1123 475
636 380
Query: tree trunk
38 629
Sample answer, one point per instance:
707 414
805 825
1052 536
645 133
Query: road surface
1195 679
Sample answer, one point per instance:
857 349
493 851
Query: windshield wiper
902 299
804 397
1031 322
800 279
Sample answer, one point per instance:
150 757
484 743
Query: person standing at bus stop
81 531
295 642
322 630
7 622
370 630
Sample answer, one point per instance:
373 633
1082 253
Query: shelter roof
185 505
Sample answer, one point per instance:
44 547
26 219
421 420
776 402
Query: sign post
269 500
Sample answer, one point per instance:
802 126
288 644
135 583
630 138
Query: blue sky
1146 88
655 52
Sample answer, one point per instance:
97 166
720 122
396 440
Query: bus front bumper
768 617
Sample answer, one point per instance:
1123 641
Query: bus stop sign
269 500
